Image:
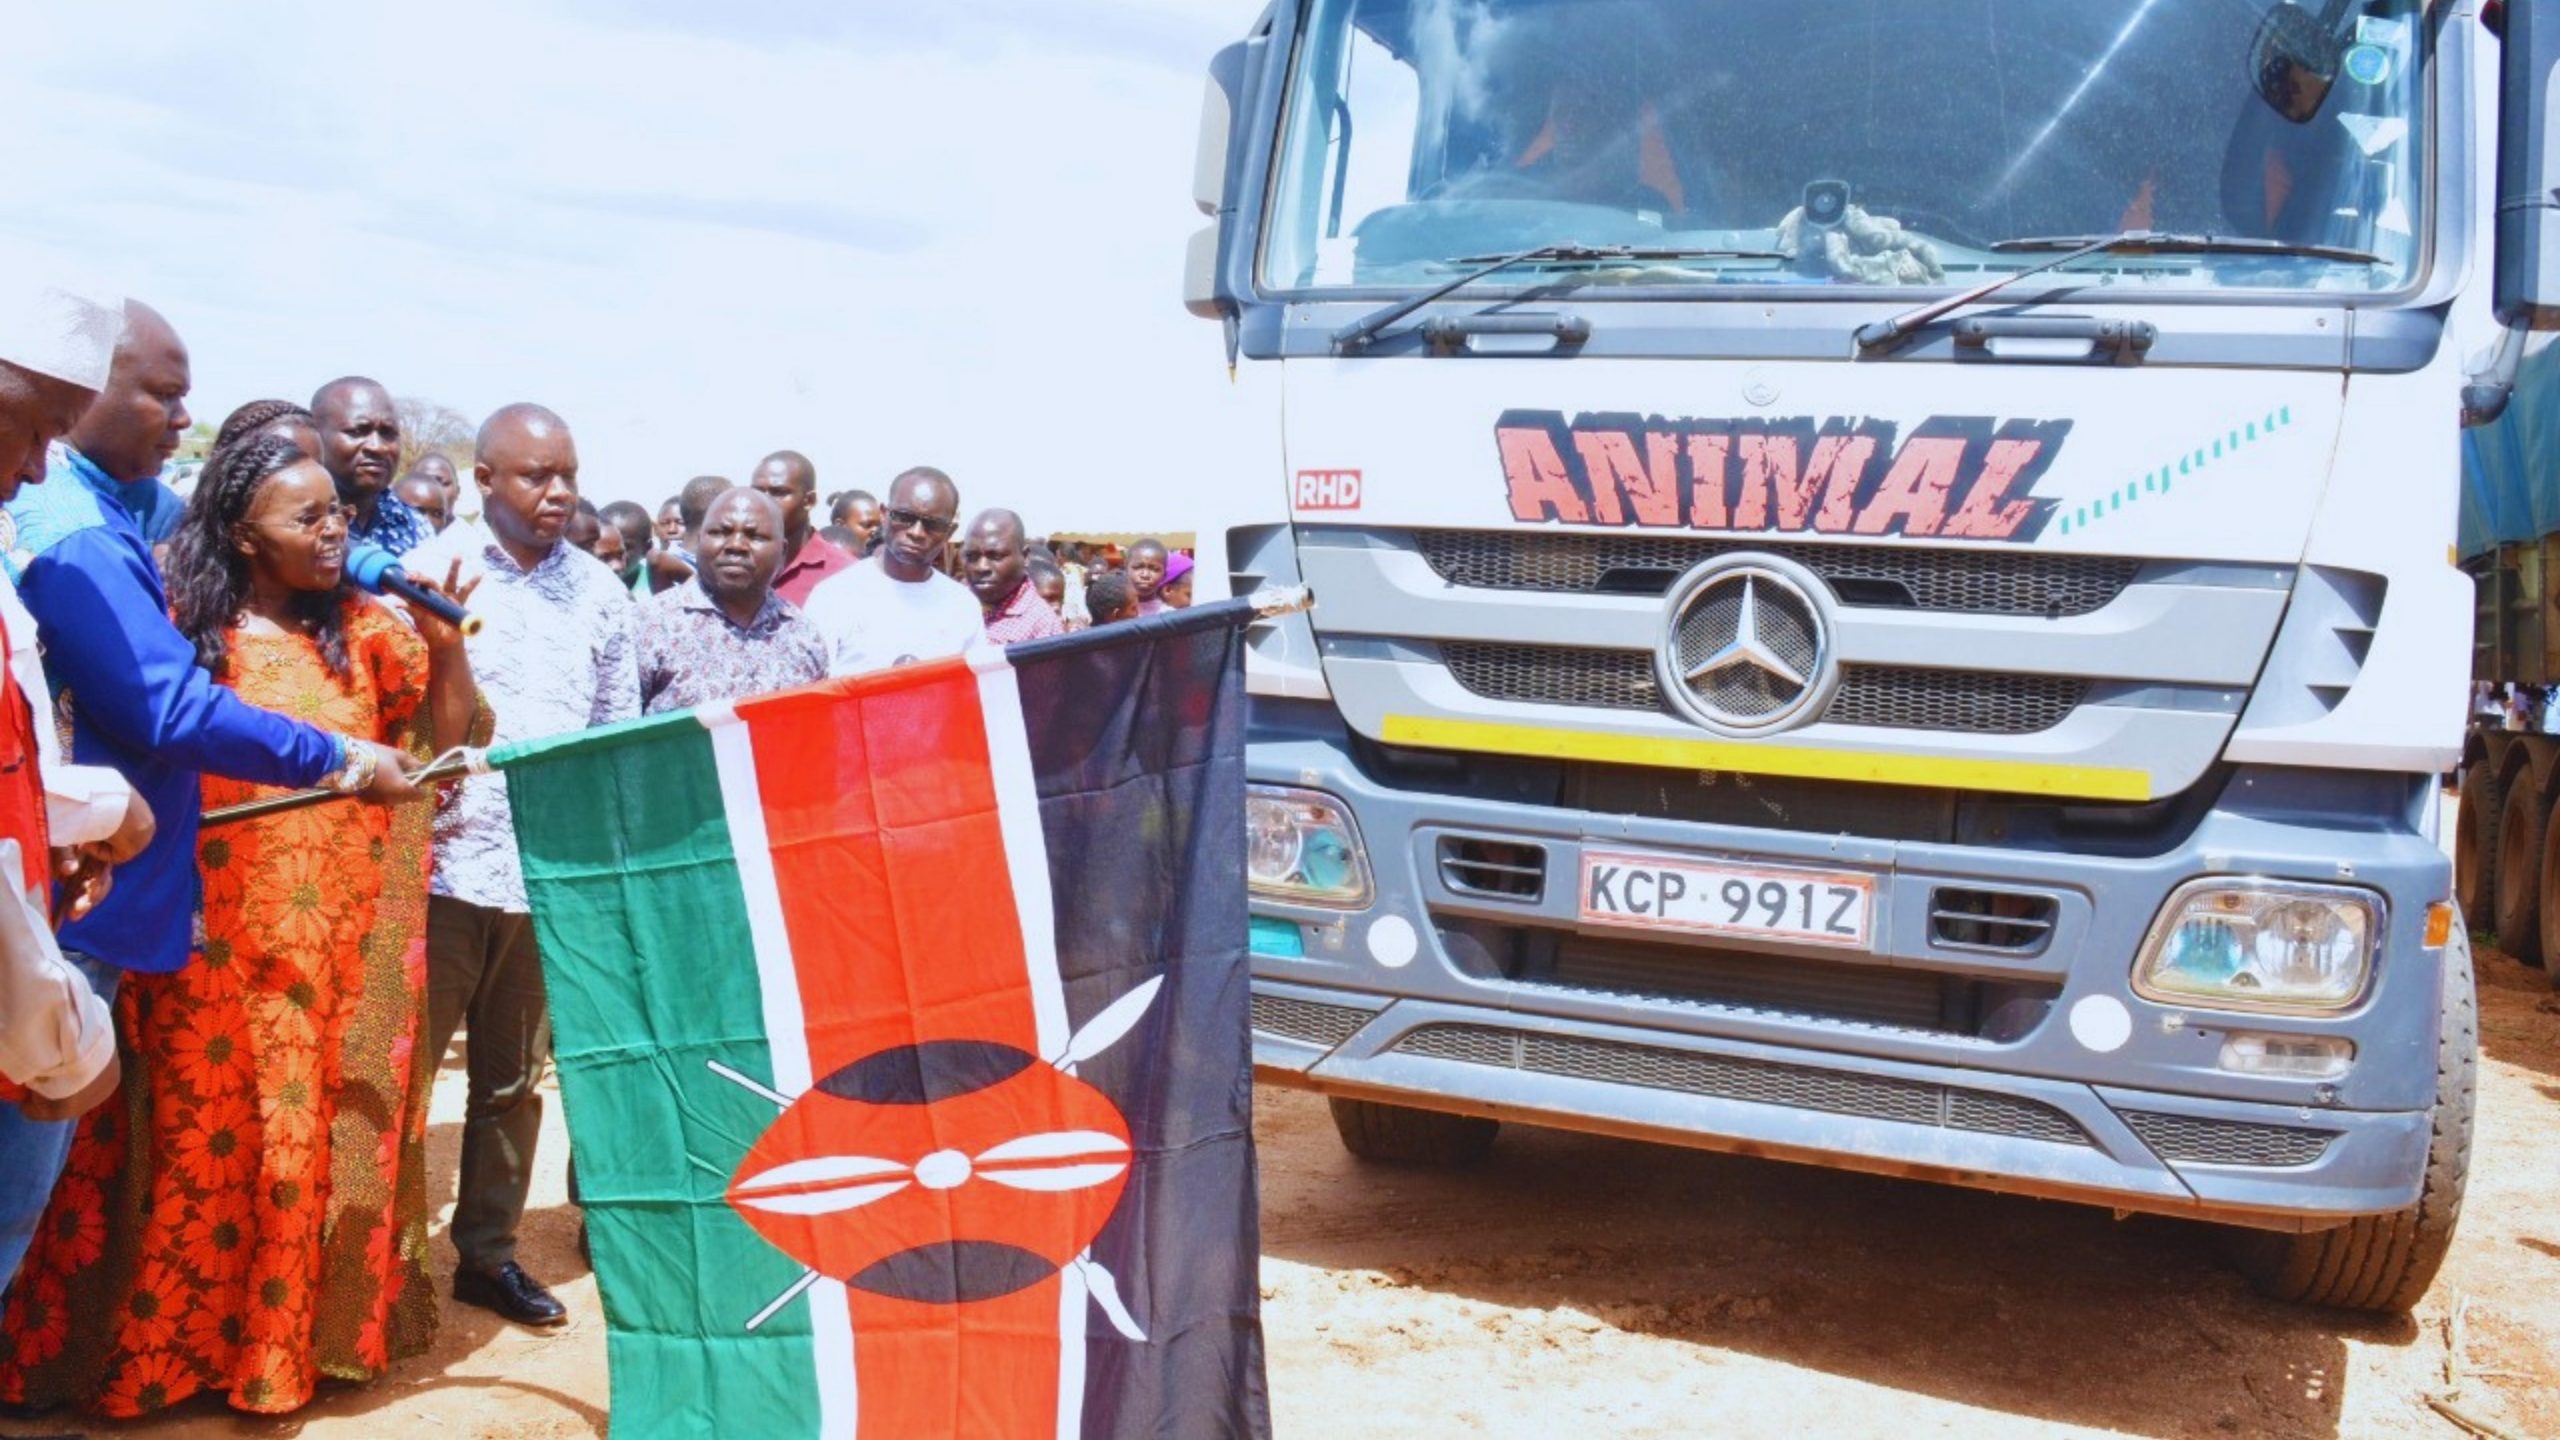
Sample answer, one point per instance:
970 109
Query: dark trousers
482 967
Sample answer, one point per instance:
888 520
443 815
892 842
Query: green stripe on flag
645 947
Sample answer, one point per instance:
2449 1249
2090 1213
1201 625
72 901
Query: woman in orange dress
214 1177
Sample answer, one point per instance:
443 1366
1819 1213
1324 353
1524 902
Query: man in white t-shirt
896 607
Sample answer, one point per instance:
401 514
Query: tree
427 426
198 442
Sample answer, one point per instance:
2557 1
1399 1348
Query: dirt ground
1577 1287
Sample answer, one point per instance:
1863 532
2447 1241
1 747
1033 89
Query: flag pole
454 765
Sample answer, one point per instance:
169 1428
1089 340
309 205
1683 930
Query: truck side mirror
2295 59
1204 288
2526 290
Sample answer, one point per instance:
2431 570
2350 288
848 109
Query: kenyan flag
901 1025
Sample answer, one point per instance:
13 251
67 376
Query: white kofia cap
54 332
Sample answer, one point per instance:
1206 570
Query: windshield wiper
1581 253
1360 332
1881 333
2163 243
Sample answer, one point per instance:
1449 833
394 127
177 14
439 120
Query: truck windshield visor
1909 143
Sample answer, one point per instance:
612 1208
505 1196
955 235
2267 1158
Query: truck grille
1762 1082
2004 922
1494 869
1770 984
1967 581
2199 1141
1307 1021
1881 696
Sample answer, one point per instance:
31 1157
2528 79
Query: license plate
1705 897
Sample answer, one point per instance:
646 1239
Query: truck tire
2386 1262
2521 823
2550 931
1400 1135
2475 847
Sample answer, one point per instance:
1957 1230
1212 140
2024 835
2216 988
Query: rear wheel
2551 899
2475 847
2386 1262
2521 823
1401 1135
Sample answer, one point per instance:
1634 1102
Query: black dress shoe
510 1292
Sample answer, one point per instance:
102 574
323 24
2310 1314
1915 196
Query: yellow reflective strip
2083 782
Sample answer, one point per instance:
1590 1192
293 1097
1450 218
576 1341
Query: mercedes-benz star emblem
1746 646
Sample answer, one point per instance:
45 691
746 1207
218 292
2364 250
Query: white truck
1883 581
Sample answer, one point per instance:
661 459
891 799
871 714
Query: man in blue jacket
139 702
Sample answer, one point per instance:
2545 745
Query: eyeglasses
344 515
929 524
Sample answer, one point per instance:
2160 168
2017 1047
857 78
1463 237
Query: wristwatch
355 768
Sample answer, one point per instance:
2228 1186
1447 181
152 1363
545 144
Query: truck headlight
1301 845
2261 945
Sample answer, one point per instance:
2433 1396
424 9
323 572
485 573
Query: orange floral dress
186 1248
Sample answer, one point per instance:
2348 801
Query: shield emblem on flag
901 1027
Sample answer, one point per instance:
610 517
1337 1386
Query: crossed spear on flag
1057 1161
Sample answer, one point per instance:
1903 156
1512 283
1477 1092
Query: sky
881 234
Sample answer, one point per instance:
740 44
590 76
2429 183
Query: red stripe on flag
881 812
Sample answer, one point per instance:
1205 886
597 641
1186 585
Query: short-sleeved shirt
692 653
554 655
799 577
397 526
872 621
1024 617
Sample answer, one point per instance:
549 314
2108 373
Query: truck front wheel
1400 1135
2386 1262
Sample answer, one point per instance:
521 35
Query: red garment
1024 617
22 815
21 780
816 561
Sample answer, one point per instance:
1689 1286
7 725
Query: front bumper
1400 1003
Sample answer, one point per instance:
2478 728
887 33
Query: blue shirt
139 702
397 526
156 509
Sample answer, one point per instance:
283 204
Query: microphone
378 570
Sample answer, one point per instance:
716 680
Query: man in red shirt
807 556
998 572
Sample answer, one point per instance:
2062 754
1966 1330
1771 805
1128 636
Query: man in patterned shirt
360 448
994 561
554 654
726 633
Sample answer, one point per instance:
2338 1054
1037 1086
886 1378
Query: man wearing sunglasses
897 607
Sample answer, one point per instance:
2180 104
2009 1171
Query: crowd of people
217 1039
2512 706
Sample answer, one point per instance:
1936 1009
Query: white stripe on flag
1026 851
1026 859
1073 1305
786 1034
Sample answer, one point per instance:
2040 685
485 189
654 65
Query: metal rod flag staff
461 763
454 764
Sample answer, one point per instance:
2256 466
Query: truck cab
1883 585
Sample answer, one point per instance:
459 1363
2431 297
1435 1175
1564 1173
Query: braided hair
255 416
209 580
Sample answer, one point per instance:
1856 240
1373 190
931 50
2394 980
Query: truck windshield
1869 142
